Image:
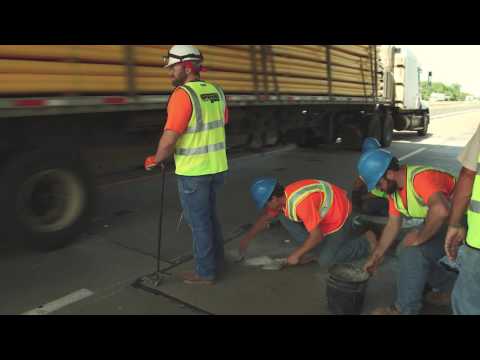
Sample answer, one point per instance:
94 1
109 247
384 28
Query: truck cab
402 87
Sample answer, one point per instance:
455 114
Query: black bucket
346 286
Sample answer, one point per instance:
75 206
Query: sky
450 64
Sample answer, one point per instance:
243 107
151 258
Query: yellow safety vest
379 193
301 193
201 150
473 235
416 207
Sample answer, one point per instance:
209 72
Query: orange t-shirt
179 111
308 210
425 184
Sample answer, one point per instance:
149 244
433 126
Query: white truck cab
402 87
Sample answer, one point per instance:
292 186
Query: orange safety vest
297 196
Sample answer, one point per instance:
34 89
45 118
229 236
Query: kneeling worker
414 192
366 202
317 216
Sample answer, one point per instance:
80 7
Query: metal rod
160 222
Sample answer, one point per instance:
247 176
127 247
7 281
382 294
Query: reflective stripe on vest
300 194
379 193
416 207
201 150
203 127
473 235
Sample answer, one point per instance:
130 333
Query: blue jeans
466 292
418 265
338 247
198 198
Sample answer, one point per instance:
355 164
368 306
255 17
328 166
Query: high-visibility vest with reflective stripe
416 207
201 150
473 213
301 193
379 193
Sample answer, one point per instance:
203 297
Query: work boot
192 278
438 298
389 310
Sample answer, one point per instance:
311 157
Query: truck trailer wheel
374 127
387 131
304 138
352 136
47 198
426 122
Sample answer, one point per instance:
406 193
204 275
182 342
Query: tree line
454 91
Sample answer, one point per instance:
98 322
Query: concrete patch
292 291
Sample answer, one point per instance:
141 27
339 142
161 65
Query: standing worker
466 292
415 192
317 216
195 133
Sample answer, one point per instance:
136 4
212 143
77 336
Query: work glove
150 163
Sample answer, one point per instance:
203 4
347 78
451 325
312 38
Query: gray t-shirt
469 156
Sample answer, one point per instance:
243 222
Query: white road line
441 116
412 153
59 303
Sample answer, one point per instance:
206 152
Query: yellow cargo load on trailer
343 70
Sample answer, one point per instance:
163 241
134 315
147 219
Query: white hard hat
180 53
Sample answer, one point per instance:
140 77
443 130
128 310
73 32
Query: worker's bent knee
409 254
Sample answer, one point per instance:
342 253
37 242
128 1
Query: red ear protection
191 66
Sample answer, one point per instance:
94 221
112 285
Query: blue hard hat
373 165
370 143
262 189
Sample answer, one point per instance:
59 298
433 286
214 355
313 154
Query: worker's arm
179 110
438 210
260 225
166 146
313 239
389 234
461 198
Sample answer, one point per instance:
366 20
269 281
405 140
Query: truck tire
352 137
374 127
47 198
387 131
426 122
304 138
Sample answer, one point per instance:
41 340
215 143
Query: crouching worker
415 192
317 216
366 202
